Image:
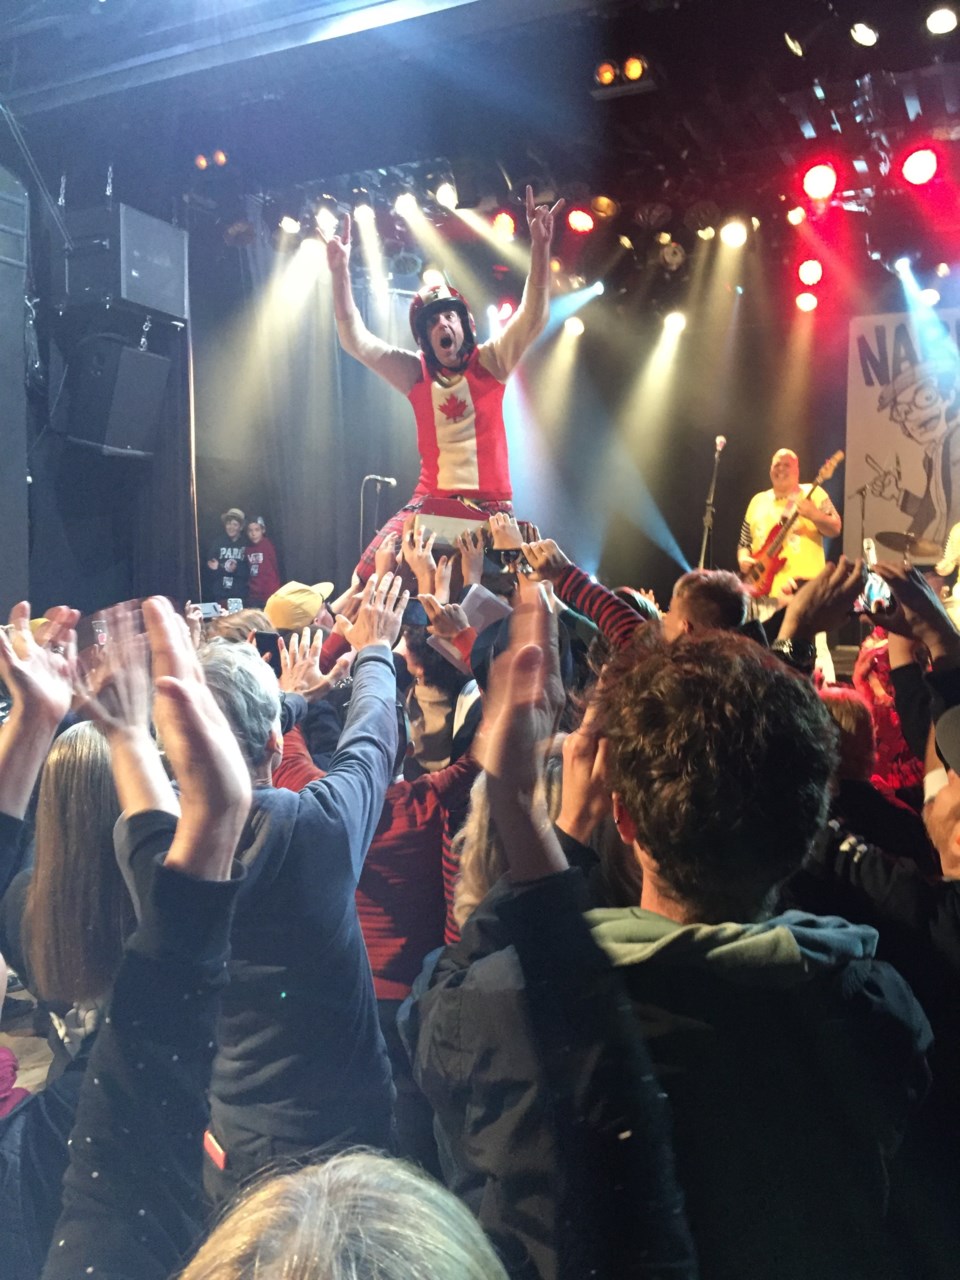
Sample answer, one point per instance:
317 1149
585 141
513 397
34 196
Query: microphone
720 443
390 480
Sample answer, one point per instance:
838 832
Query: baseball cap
234 513
296 605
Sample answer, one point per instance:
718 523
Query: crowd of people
481 922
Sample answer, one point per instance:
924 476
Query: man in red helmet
455 385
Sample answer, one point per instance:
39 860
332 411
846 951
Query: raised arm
398 367
502 354
132 1197
38 672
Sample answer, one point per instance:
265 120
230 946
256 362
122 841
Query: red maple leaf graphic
453 408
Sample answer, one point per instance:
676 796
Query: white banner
903 431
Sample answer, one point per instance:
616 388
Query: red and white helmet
441 297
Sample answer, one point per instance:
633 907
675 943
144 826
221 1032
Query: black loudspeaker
116 393
121 256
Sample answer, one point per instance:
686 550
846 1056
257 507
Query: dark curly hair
722 757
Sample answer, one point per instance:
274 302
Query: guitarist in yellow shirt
802 549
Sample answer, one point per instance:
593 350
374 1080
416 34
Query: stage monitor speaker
121 256
115 396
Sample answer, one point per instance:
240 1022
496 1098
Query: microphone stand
376 508
708 511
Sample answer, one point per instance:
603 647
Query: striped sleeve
616 620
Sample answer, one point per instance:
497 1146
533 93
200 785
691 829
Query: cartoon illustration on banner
903 432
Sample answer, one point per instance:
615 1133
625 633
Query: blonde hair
858 736
235 627
78 912
359 1216
476 847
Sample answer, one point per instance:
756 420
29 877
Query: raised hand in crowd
545 559
586 792
38 670
300 666
418 553
193 617
442 578
338 247
524 701
445 620
387 557
470 546
116 694
824 602
919 611
213 777
540 220
379 616
505 532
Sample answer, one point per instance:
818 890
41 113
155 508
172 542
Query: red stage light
580 221
504 225
820 181
806 301
919 166
810 271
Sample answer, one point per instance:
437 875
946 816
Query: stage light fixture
942 269
364 215
707 233
903 265
810 271
796 215
625 242
793 44
820 181
664 237
219 158
447 195
634 69
580 221
328 224
406 205
863 34
941 21
597 288
734 233
606 73
290 226
505 310
806 301
573 326
556 266
433 277
201 162
674 322
504 225
604 207
929 297
919 167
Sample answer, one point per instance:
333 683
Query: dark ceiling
297 92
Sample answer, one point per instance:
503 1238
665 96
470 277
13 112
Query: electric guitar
769 562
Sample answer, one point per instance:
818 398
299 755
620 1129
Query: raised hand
116 693
920 608
470 546
387 556
39 669
379 616
300 667
441 579
338 247
540 220
545 559
505 532
825 601
214 780
446 620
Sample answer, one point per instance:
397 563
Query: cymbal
910 544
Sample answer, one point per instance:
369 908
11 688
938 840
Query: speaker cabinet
121 256
115 396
